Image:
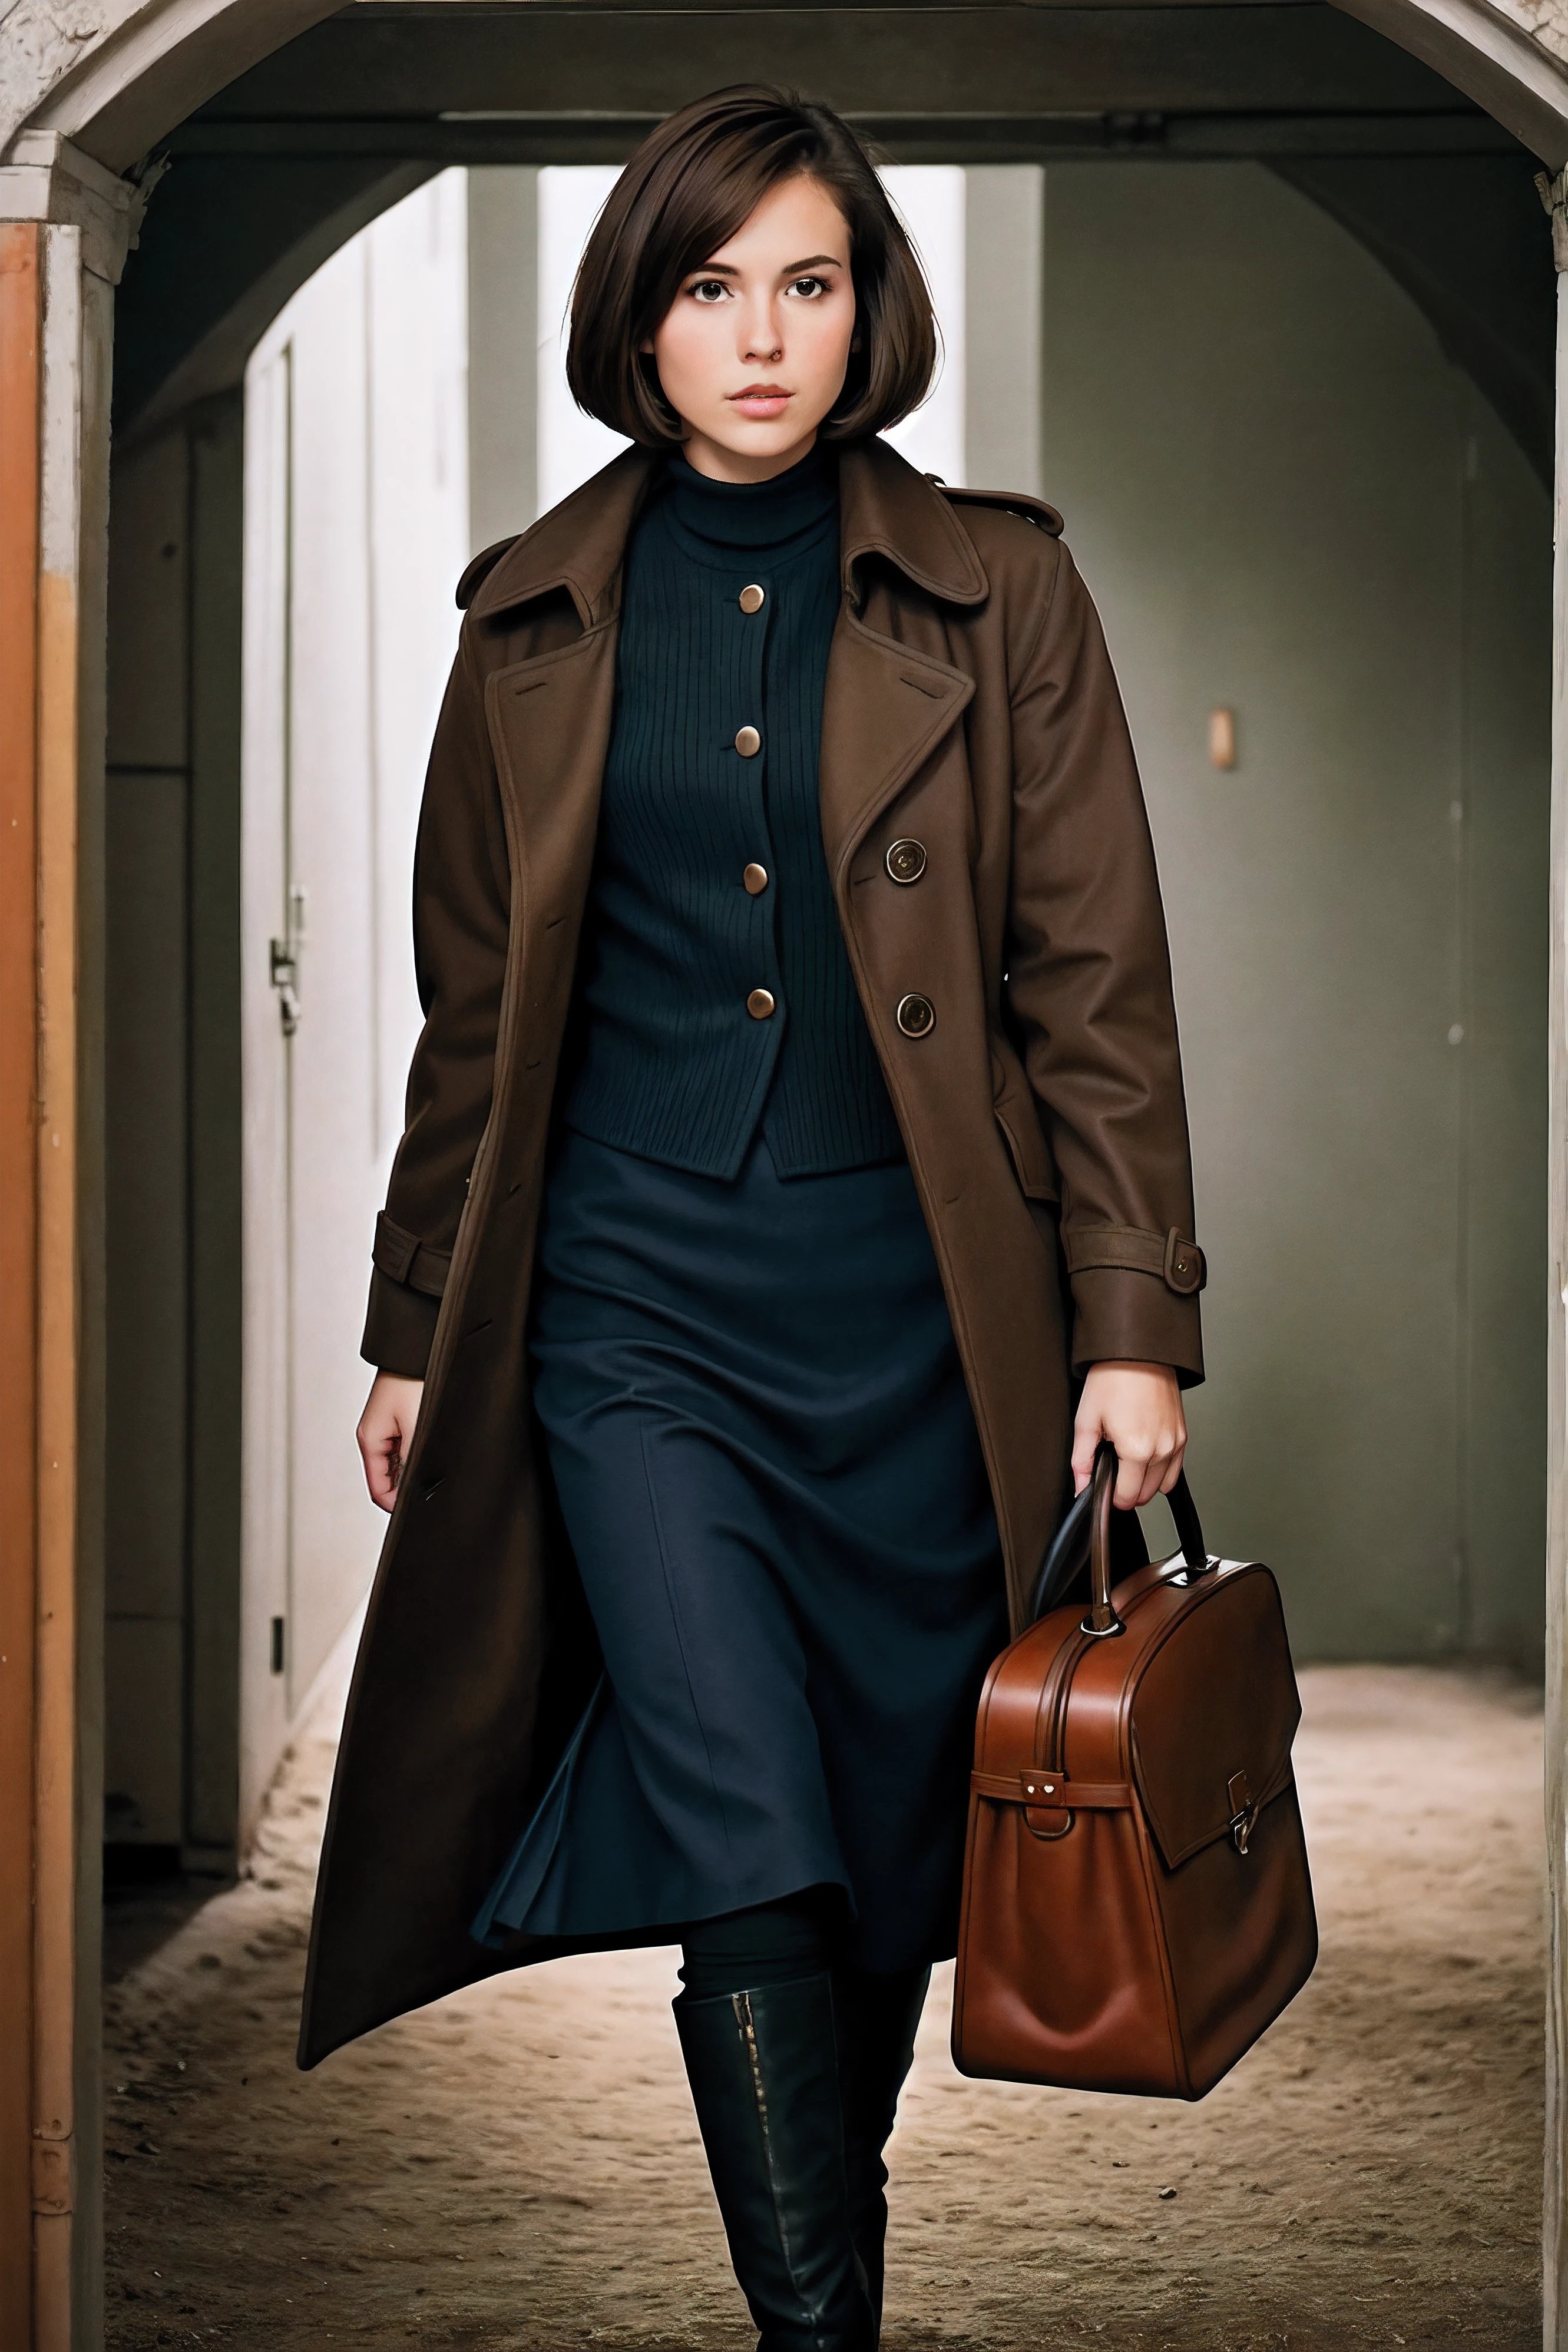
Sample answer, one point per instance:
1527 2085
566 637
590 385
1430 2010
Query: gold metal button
916 1016
752 599
748 742
906 861
759 1004
755 878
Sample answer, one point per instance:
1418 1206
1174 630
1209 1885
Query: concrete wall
1004 285
1290 505
502 353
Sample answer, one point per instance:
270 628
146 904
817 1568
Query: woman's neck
718 464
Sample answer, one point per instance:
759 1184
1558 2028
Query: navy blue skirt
768 1469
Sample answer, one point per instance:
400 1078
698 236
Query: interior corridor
1302 516
518 2168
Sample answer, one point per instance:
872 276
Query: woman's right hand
385 1433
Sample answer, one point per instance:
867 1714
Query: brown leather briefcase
1136 1903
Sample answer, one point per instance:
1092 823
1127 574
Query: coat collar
886 509
577 546
890 509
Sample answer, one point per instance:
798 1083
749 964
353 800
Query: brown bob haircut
690 186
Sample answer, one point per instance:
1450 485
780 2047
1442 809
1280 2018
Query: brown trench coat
969 705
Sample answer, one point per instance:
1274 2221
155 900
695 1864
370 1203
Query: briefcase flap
1213 1714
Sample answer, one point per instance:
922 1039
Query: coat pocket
1014 1103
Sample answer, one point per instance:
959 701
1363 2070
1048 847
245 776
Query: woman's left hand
1139 1408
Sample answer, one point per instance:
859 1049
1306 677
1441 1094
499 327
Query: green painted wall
1288 503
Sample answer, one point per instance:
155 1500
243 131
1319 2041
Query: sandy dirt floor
519 2167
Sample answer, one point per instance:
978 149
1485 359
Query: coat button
906 861
916 1016
755 878
752 599
748 742
759 1004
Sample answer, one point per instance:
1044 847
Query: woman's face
752 354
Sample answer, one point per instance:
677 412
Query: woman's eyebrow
728 269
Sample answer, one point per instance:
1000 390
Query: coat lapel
578 546
886 706
884 711
550 727
549 719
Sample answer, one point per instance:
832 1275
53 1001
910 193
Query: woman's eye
808 287
709 290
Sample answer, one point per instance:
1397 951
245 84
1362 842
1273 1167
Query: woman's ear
645 347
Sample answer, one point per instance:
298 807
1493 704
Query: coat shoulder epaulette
1016 502
479 569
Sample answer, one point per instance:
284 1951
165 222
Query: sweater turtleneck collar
776 516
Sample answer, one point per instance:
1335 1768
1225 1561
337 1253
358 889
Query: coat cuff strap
1133 1249
404 1257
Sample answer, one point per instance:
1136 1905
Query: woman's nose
760 338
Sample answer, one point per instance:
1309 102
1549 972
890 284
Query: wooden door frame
21 335
87 86
59 261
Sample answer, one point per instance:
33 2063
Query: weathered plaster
1546 20
116 75
47 179
43 42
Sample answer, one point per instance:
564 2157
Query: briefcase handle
1084 1537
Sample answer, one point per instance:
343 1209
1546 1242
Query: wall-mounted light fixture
1222 738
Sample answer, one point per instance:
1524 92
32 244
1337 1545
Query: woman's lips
762 400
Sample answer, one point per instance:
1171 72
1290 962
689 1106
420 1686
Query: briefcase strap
1035 1785
1039 1785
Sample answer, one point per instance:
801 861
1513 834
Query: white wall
929 200
356 527
572 446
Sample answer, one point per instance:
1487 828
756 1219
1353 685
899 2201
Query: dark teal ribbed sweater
674 1068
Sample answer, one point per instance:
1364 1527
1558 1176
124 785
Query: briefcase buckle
1244 1810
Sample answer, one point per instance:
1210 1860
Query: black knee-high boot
764 2070
877 2018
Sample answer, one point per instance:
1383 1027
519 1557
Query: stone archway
86 91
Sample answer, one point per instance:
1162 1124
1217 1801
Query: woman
797 1017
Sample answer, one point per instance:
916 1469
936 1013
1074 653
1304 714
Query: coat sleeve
1089 992
461 905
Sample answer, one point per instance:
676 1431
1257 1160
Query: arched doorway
117 94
